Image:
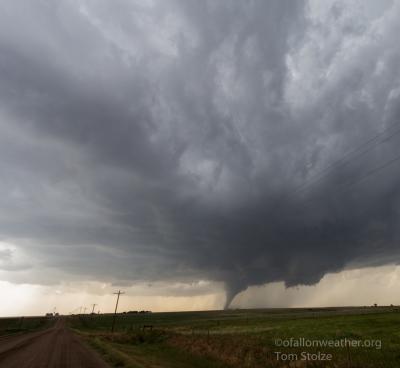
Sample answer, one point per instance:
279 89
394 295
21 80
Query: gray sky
179 141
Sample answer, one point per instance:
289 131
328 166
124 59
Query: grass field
247 338
13 325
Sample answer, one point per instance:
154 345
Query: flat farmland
13 325
313 337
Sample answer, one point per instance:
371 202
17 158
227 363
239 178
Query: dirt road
56 347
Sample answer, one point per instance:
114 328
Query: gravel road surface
56 347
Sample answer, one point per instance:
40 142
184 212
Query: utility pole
93 308
116 307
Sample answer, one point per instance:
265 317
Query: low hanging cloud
186 140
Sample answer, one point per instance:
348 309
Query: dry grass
246 339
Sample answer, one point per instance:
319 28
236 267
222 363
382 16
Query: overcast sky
198 148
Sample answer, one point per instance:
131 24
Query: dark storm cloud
169 140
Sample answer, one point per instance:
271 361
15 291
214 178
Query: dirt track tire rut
56 347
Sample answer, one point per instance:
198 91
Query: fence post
348 357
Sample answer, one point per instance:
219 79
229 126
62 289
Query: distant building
55 314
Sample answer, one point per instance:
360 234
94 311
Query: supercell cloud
187 140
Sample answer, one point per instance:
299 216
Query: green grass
149 355
23 324
243 338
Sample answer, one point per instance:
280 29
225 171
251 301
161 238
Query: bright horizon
373 285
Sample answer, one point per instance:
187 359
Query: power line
346 159
357 152
116 307
366 143
374 171
366 175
